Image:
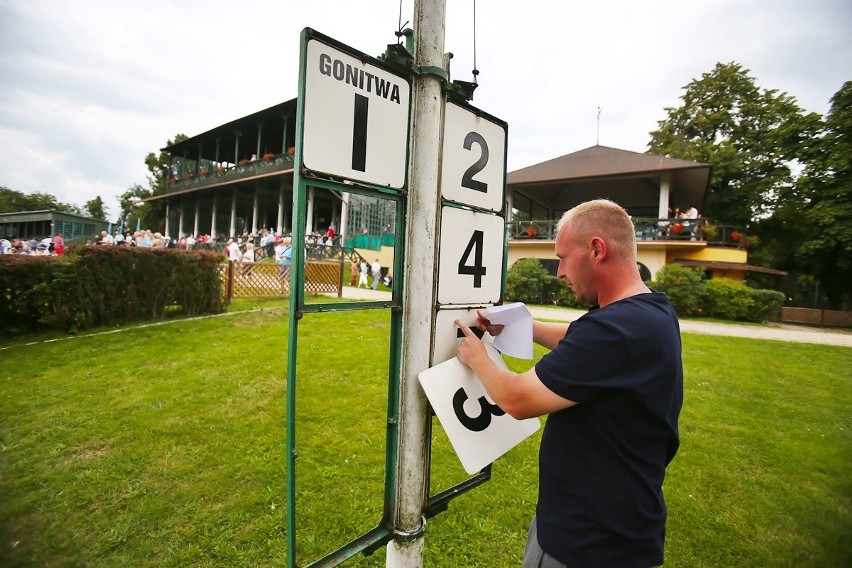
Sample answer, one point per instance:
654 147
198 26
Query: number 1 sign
355 116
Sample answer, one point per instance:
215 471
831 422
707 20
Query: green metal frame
383 532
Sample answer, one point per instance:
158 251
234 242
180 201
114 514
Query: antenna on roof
598 140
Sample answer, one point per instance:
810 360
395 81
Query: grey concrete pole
406 550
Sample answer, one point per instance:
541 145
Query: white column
309 226
255 210
665 190
167 221
418 291
344 218
233 232
180 220
280 225
213 217
197 215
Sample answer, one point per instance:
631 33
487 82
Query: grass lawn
163 445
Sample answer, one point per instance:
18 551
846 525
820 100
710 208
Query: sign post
353 121
406 550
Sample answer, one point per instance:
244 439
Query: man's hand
484 324
471 348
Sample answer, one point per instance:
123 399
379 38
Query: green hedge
722 298
96 286
684 287
529 282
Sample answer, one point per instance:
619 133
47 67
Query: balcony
210 173
650 230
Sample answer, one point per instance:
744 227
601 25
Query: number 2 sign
470 263
474 158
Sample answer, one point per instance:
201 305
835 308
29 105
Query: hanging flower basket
677 228
268 156
736 236
532 231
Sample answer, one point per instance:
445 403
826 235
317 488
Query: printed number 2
467 178
476 269
475 423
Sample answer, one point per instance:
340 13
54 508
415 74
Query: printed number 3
475 423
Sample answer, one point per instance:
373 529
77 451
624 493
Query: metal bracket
411 536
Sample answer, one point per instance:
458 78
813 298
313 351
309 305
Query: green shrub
22 297
728 299
767 305
525 281
94 286
690 295
684 286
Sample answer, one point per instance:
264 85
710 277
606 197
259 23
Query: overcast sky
89 87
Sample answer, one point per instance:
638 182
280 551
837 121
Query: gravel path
777 331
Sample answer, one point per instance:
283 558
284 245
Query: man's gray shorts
534 556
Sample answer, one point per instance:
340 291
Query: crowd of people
243 249
47 246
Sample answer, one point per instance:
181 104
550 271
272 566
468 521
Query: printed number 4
476 269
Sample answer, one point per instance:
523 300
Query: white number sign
478 430
447 335
473 159
355 117
470 263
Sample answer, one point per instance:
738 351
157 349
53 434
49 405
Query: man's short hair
602 218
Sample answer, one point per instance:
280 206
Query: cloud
88 88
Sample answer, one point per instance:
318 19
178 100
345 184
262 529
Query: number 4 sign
470 263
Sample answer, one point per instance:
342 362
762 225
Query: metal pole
406 550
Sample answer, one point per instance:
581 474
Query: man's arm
521 395
549 334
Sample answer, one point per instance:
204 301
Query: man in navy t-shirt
612 388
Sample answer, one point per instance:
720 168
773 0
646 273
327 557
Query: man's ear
598 248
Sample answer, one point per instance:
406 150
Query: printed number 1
359 133
476 269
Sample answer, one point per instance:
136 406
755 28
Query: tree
825 251
158 167
134 211
152 214
95 208
751 137
12 201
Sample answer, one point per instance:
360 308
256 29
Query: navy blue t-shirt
602 461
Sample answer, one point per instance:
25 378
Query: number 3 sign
478 430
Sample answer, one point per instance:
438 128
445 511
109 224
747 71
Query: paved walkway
778 331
